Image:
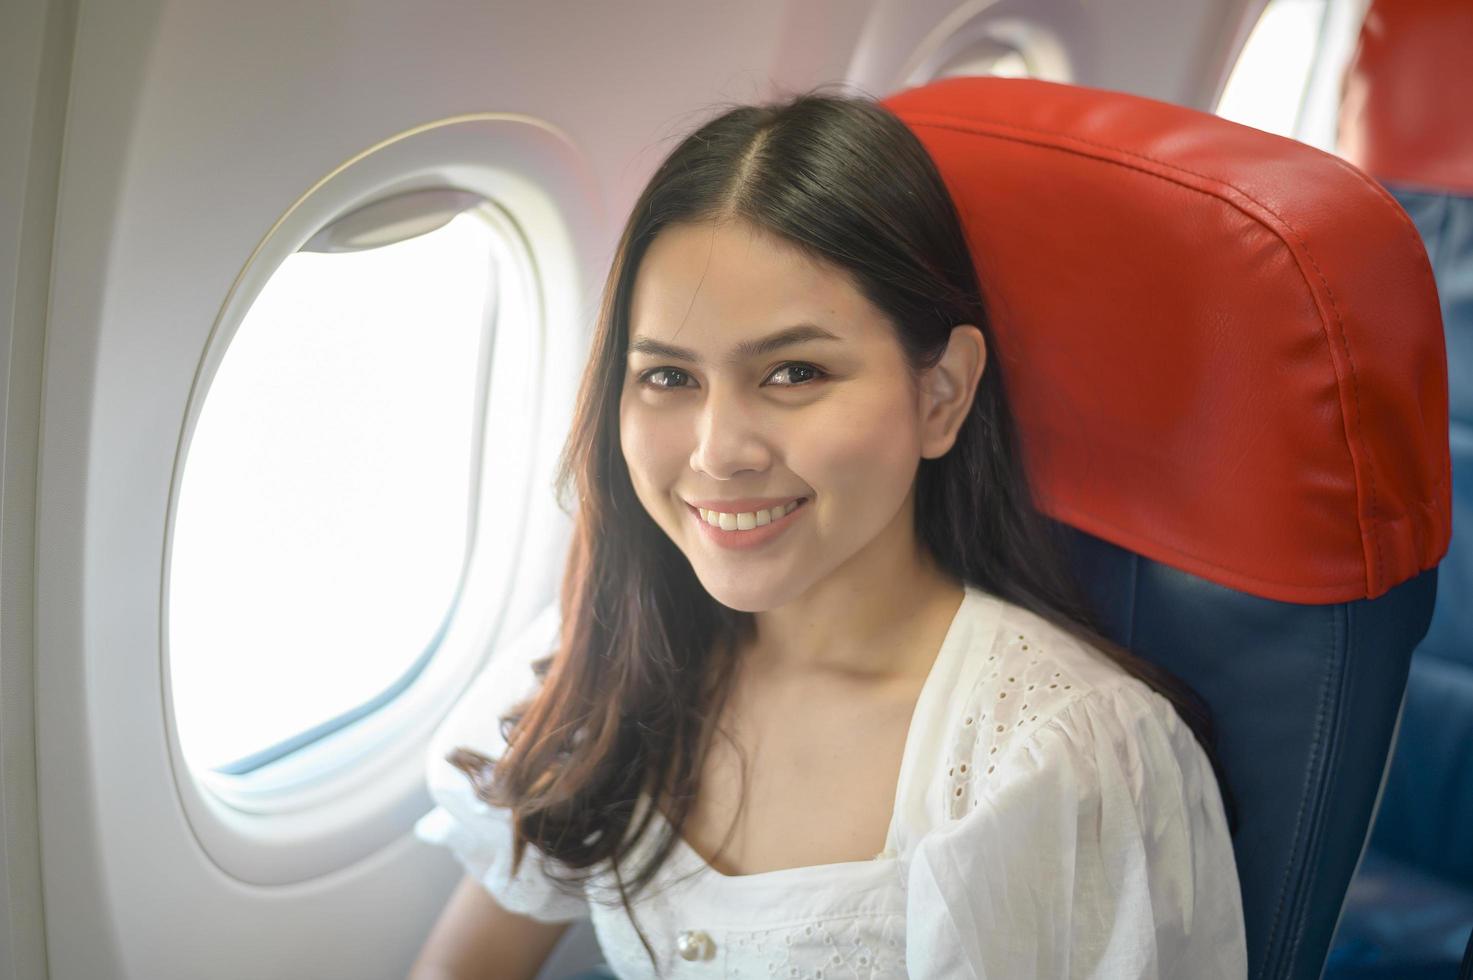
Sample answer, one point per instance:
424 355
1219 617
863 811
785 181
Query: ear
947 390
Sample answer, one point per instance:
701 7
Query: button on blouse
694 945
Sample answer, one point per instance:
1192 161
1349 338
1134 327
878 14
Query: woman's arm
477 939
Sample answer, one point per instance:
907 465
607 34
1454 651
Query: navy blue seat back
1304 698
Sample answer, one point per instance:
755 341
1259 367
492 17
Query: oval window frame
359 790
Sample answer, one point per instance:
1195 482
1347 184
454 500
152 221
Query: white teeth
748 520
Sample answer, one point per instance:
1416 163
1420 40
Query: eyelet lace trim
856 947
1021 687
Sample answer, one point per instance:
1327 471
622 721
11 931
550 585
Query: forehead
711 284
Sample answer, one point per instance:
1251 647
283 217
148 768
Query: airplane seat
1404 120
1226 358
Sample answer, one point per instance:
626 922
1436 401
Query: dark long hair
645 654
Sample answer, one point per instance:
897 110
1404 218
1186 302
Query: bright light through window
1007 64
323 515
1267 85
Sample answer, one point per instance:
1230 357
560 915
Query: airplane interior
271 545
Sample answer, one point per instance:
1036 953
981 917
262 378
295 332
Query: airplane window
1268 84
988 57
990 45
324 517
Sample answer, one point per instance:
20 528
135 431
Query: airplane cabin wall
35 62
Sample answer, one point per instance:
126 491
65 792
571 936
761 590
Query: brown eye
812 372
644 378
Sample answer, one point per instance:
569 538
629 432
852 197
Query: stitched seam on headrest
1044 141
1303 247
1359 175
1370 466
1386 196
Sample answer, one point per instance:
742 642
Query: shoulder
1078 818
1039 690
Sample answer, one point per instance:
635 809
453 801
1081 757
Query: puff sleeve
1098 848
477 834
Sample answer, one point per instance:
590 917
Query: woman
823 699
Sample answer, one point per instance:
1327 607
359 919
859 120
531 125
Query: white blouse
1054 817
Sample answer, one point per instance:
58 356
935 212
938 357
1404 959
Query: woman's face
833 420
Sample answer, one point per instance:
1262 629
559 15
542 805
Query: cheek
866 455
650 447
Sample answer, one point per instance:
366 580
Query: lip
745 540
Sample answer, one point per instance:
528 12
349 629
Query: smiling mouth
774 515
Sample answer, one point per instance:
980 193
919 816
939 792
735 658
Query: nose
729 437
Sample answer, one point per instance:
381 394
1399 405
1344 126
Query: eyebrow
787 337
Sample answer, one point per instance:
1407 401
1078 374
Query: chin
749 597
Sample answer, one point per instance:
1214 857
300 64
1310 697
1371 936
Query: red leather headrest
1406 101
1223 347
